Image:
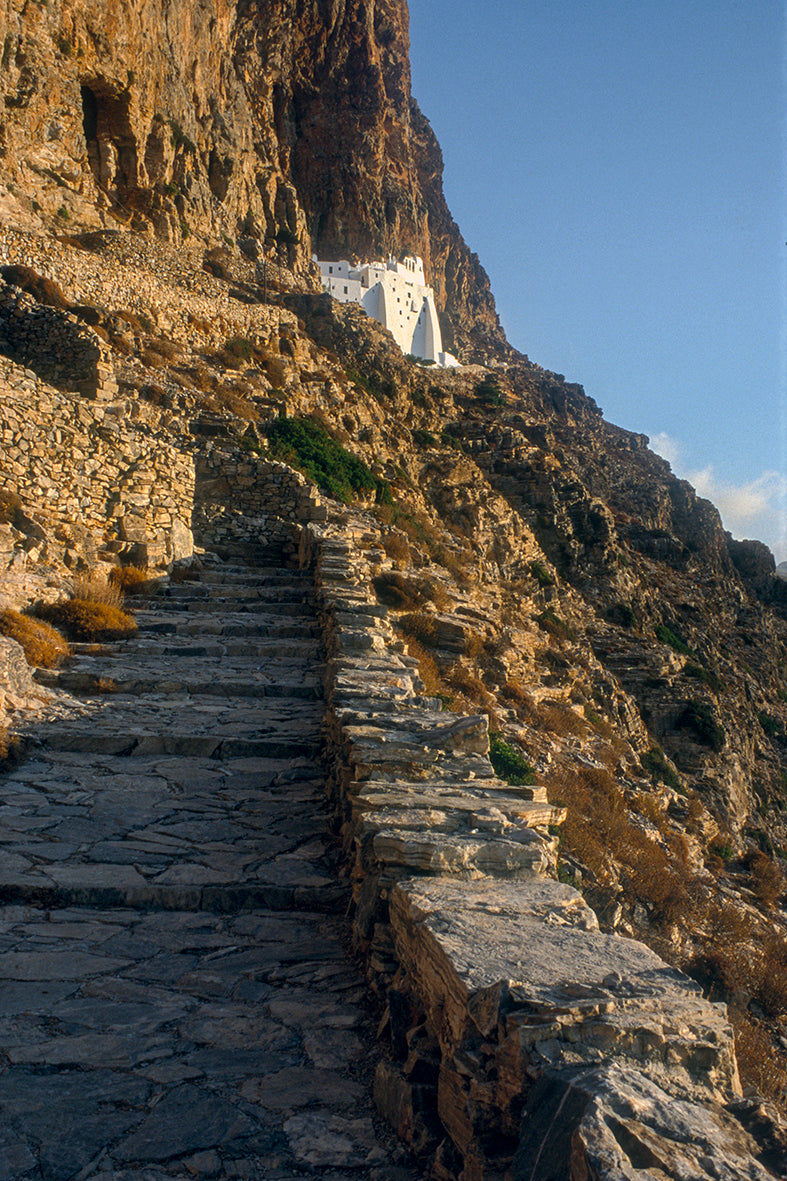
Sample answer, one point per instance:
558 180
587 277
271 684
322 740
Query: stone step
214 679
296 609
172 828
151 623
290 652
197 745
249 576
298 592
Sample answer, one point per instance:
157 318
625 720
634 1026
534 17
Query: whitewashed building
397 296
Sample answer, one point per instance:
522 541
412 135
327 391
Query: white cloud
667 447
754 509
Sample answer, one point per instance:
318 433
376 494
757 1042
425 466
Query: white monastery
396 295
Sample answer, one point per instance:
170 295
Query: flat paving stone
176 999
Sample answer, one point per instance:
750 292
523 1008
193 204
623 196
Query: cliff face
287 128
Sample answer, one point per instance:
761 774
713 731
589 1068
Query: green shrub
772 726
553 625
698 717
179 137
541 574
308 446
668 637
621 614
424 438
509 763
488 391
711 679
379 389
657 766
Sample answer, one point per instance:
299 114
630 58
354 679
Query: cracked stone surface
176 1000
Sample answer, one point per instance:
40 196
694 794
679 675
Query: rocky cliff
287 128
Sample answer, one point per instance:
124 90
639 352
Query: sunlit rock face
285 127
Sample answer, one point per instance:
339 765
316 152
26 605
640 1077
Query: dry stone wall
521 1038
113 473
129 478
55 345
242 499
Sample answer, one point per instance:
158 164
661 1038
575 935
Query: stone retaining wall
243 498
130 478
116 472
521 1039
55 344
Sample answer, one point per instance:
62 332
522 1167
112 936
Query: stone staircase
176 1001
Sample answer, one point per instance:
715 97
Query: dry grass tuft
86 620
434 685
95 588
225 399
131 580
561 720
43 646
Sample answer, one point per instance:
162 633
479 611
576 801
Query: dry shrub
42 290
761 1062
474 646
408 594
421 627
131 580
95 588
767 879
170 350
153 358
469 687
649 806
599 833
43 646
515 691
225 399
87 620
396 547
10 749
771 991
561 720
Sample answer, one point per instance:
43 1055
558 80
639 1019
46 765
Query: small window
345 291
330 270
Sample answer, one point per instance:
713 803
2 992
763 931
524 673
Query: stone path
175 996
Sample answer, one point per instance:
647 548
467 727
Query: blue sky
619 167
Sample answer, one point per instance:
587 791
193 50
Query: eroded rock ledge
523 1041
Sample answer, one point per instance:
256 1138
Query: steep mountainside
541 565
288 127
